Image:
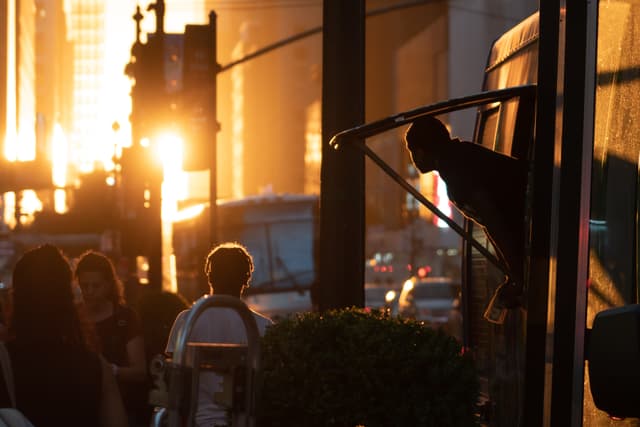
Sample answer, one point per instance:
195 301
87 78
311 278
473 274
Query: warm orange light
442 201
10 209
407 285
390 296
423 271
10 115
29 205
168 150
189 213
60 201
237 128
59 159
142 267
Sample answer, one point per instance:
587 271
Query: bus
280 232
562 91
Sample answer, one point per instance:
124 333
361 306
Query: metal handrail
176 386
373 128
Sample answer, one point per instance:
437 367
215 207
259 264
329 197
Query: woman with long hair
59 377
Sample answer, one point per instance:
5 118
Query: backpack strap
7 372
122 319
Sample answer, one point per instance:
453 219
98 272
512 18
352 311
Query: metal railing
221 358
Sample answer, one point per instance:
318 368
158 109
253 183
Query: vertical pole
213 129
156 175
576 145
537 389
342 173
159 9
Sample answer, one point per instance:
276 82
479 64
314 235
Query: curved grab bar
179 354
382 125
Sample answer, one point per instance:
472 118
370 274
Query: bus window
613 231
488 127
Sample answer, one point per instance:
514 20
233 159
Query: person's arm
112 413
136 370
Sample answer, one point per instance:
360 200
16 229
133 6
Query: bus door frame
556 319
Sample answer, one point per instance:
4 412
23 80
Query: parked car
433 300
378 296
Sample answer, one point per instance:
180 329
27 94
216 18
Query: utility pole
342 173
214 127
156 44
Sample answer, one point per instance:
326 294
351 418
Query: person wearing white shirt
228 268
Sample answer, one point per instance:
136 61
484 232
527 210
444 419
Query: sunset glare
174 186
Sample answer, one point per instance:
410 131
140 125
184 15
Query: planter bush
348 368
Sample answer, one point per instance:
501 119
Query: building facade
89 128
17 79
17 100
54 78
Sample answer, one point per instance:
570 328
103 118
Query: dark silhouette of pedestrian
158 310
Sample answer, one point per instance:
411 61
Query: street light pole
213 128
156 174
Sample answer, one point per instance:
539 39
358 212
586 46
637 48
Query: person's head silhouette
425 138
42 278
43 307
228 269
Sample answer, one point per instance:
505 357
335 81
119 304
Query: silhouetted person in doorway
488 188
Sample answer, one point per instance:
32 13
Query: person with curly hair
119 330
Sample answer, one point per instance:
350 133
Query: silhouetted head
228 269
424 139
157 312
43 304
95 270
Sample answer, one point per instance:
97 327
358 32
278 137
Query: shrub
349 367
